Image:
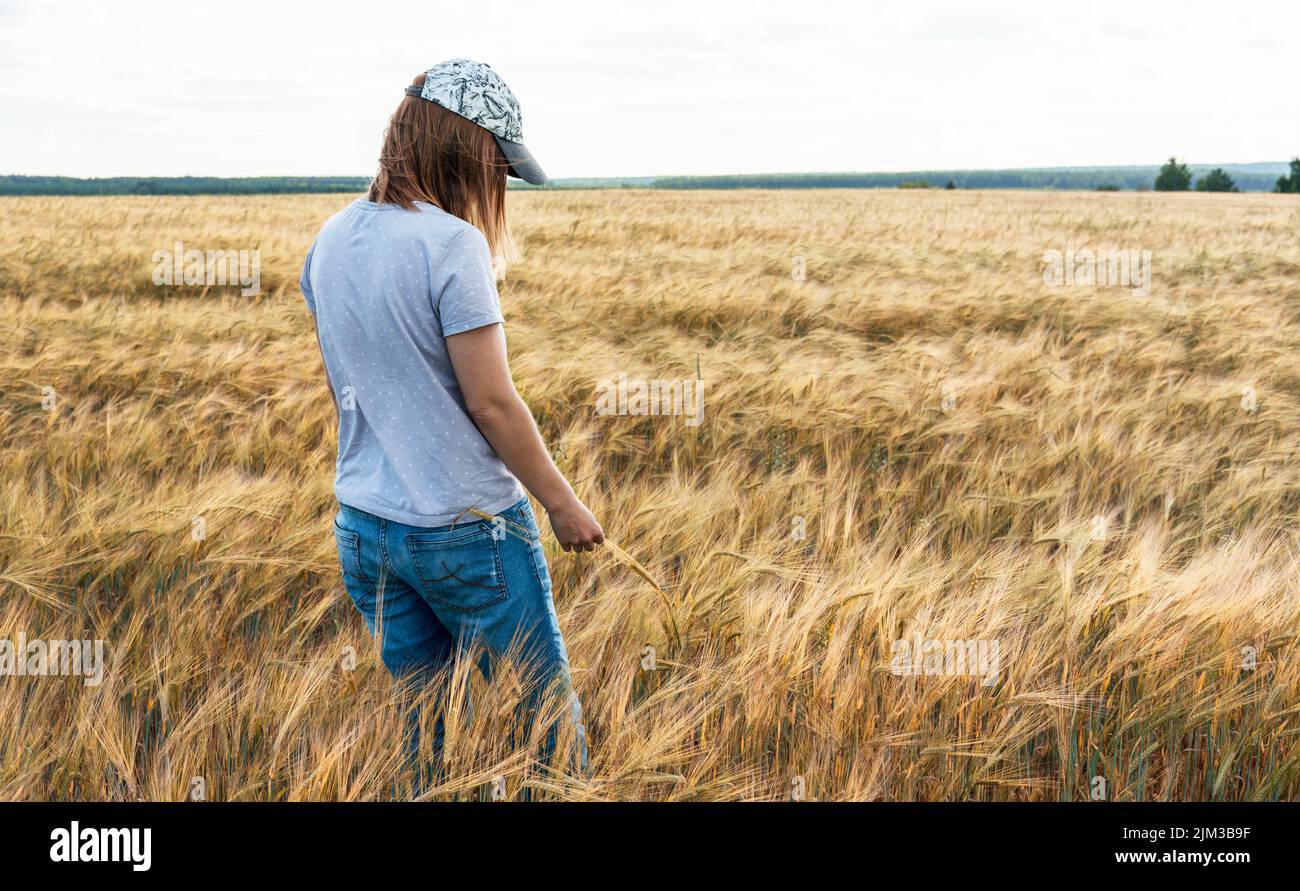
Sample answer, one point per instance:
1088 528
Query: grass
919 438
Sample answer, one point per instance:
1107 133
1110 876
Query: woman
439 548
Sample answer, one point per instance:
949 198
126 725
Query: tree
1290 183
1174 177
1217 180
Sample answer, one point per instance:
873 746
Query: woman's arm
478 357
334 397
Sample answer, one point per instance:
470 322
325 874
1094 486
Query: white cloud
246 88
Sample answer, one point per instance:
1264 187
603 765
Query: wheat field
908 435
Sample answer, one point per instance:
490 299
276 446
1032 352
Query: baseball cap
477 93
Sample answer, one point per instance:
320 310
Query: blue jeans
434 593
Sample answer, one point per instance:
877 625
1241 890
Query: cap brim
522 163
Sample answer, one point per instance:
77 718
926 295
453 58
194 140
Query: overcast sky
609 88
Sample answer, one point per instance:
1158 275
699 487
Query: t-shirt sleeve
467 298
304 281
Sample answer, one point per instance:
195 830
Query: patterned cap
477 93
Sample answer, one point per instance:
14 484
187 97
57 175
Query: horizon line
673 175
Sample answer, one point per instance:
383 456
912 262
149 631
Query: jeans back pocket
355 579
459 568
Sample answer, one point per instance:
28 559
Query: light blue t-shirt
388 286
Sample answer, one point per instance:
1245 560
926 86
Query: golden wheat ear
631 562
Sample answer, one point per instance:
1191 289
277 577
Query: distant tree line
1290 183
180 185
1173 176
1176 177
1100 178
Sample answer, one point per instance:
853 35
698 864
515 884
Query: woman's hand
576 527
